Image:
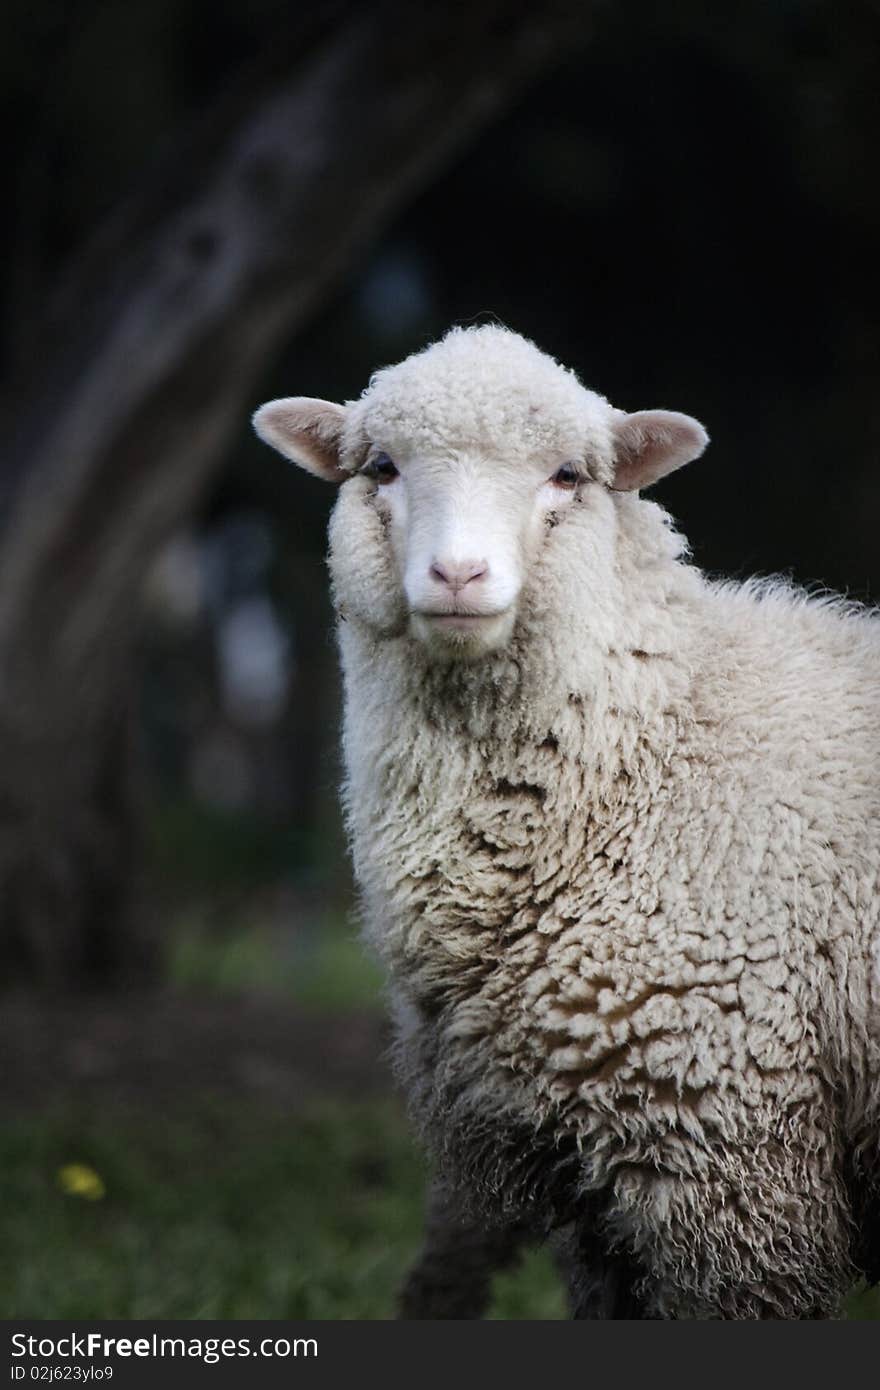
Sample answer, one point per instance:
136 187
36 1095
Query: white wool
622 864
475 388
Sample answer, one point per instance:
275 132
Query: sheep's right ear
307 431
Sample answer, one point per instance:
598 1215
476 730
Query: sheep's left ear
306 430
651 443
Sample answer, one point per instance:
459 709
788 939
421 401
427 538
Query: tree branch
154 353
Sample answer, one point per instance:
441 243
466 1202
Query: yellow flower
79 1180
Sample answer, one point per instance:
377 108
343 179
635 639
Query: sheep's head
456 465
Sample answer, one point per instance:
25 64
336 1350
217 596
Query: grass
220 1215
325 968
229 1214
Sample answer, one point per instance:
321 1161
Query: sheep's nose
459 574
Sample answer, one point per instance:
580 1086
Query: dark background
681 205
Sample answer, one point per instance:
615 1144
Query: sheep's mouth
453 634
456 621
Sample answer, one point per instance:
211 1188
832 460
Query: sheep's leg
601 1285
452 1276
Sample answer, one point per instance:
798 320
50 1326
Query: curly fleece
623 872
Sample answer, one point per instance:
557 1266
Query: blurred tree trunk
142 371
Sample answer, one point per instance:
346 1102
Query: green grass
325 968
229 1213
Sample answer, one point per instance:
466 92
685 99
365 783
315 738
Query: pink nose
458 575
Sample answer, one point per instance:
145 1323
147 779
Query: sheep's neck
455 774
543 683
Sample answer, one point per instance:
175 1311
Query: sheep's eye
565 477
381 469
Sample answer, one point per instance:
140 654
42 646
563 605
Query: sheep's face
457 465
464 526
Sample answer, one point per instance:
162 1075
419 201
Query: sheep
614 826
